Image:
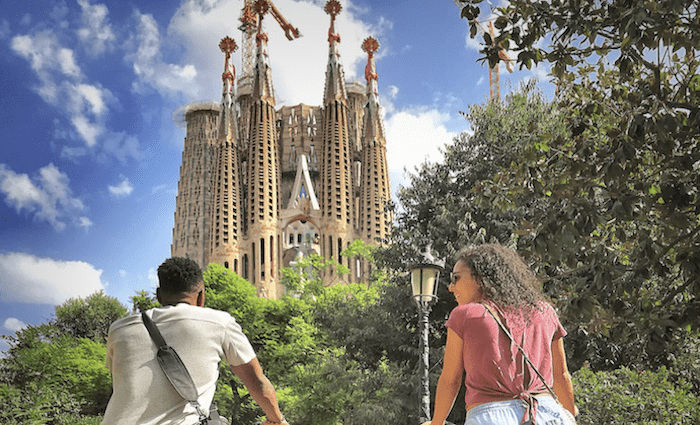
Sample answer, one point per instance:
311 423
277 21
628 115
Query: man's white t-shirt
201 337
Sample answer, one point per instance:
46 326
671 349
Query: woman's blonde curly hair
503 275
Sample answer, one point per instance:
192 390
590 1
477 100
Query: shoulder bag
177 374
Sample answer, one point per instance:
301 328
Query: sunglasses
454 278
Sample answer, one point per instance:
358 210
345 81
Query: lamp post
424 282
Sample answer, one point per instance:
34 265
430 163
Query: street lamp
424 282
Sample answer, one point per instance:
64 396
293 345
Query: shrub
625 396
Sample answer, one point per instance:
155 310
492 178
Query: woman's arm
563 387
450 378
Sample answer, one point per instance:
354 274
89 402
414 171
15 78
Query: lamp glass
424 282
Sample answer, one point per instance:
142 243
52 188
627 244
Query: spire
375 191
263 175
228 46
335 77
262 75
373 126
227 123
370 46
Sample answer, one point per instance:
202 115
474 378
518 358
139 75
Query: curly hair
178 274
503 275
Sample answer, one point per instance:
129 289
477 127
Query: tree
621 231
54 373
634 397
89 317
143 301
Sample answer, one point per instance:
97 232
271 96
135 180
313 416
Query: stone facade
259 186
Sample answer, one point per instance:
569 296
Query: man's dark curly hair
178 274
503 274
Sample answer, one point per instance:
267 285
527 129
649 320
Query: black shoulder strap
172 366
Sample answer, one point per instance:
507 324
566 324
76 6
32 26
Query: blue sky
90 156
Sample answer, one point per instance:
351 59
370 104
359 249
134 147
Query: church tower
336 185
263 175
261 188
225 213
192 224
374 185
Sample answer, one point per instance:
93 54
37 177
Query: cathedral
261 187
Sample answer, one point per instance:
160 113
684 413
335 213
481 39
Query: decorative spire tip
370 46
333 8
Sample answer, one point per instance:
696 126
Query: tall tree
621 235
89 317
53 373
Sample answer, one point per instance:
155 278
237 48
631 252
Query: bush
625 396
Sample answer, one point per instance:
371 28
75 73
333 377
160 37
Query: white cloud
122 190
121 146
45 54
47 196
96 31
27 279
4 346
94 97
298 66
87 130
63 85
73 154
148 63
122 273
416 135
66 62
158 188
84 222
393 91
153 277
13 325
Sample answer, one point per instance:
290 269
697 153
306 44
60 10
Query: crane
494 81
249 27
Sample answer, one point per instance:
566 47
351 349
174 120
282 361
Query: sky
90 156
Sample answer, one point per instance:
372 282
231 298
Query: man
201 336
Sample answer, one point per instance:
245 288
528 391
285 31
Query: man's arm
260 388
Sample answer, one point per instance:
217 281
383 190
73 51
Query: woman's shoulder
545 311
469 310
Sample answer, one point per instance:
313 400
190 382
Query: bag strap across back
173 367
527 359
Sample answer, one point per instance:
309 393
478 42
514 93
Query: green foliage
89 317
306 276
441 204
55 372
606 206
327 349
337 390
66 419
143 301
626 396
59 375
686 359
36 404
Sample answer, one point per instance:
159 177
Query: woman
501 388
